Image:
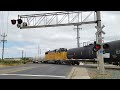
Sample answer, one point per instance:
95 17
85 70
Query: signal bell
24 24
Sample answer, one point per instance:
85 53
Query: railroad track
113 67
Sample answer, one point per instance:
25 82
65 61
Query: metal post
3 44
22 54
98 66
100 54
38 52
78 37
3 49
25 58
78 45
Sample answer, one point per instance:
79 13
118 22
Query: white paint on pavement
33 75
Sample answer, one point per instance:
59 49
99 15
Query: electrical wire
7 22
1 23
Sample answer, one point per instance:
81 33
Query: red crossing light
96 47
106 46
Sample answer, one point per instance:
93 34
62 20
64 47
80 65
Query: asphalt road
35 71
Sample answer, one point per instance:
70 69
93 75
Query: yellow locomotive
59 56
56 56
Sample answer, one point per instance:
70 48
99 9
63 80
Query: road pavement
35 71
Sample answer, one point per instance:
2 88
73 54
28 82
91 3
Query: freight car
75 55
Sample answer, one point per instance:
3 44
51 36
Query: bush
12 62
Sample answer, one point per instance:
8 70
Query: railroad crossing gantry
54 20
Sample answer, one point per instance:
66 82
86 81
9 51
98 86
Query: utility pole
99 40
3 40
38 51
78 36
22 54
23 58
25 54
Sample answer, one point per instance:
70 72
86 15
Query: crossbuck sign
99 30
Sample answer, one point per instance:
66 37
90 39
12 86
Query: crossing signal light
96 47
106 46
19 21
13 21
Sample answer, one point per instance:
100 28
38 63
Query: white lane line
34 75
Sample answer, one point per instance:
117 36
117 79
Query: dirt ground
1 65
109 74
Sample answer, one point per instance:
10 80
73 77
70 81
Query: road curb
71 73
78 73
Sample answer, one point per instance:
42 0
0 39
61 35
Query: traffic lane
20 68
56 71
49 69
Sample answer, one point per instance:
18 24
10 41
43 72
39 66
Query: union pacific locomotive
75 55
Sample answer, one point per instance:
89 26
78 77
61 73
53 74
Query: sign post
99 40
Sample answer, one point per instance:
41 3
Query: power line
1 31
7 21
3 40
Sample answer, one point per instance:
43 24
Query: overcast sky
51 37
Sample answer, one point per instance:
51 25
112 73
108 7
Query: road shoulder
78 73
